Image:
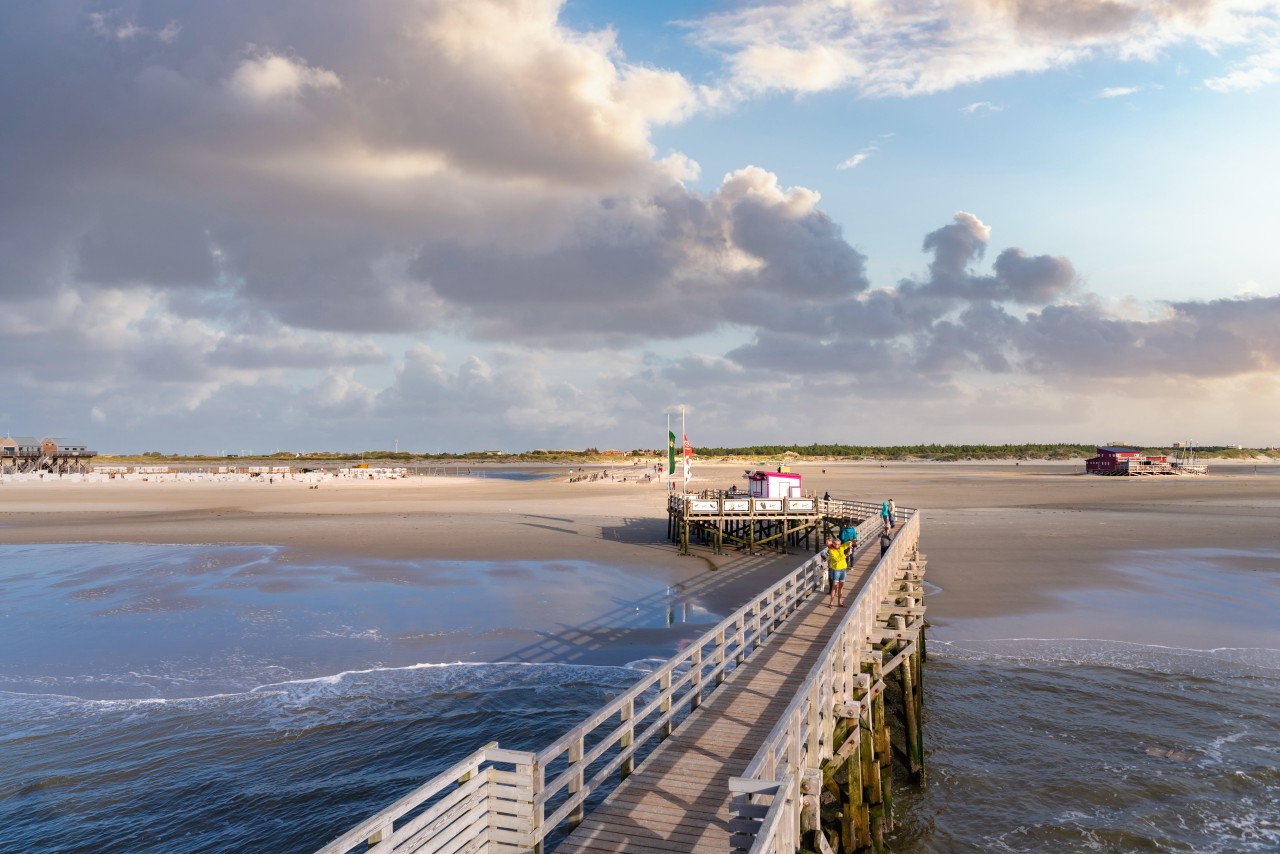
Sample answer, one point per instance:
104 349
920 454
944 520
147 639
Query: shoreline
1002 540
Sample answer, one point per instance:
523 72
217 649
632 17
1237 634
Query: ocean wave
1208 663
440 678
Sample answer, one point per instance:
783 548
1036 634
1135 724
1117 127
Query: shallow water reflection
115 621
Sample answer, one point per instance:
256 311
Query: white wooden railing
508 800
766 797
527 805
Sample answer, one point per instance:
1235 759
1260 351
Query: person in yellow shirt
837 565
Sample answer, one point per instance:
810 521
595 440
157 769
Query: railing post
575 784
534 773
380 839
627 712
813 748
664 684
720 657
695 678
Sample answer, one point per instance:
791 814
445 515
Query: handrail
549 787
802 739
735 636
682 681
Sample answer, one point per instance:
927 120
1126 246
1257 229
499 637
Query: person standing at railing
885 515
893 514
849 536
837 565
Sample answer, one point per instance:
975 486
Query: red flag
688 459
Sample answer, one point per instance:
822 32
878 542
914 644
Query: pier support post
911 719
872 811
811 838
884 756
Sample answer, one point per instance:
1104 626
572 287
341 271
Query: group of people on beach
841 551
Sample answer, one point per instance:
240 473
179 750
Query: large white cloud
906 47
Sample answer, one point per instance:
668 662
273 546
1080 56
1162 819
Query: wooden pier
715 518
729 746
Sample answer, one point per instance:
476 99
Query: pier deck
679 798
725 747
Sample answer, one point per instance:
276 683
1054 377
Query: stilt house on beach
57 456
1115 460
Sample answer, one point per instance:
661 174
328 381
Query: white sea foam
395 679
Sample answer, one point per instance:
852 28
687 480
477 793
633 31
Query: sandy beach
1002 539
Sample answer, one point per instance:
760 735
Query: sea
244 698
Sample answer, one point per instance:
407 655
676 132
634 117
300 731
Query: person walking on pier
886 539
837 563
886 514
849 535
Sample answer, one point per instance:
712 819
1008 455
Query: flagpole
684 437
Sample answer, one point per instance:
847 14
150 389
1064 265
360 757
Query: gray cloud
751 253
1214 339
957 322
1018 278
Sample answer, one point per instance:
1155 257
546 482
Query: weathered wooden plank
734 719
636 839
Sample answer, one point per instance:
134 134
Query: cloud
113 26
858 159
510 393
894 48
1119 91
980 108
271 77
1261 69
531 141
752 252
960 324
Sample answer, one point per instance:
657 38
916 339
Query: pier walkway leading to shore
725 747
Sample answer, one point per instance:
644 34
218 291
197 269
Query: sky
457 225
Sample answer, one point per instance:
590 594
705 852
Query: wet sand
1002 540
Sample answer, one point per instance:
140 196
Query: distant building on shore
1119 460
57 456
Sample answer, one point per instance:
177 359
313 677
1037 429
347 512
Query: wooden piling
910 719
884 757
